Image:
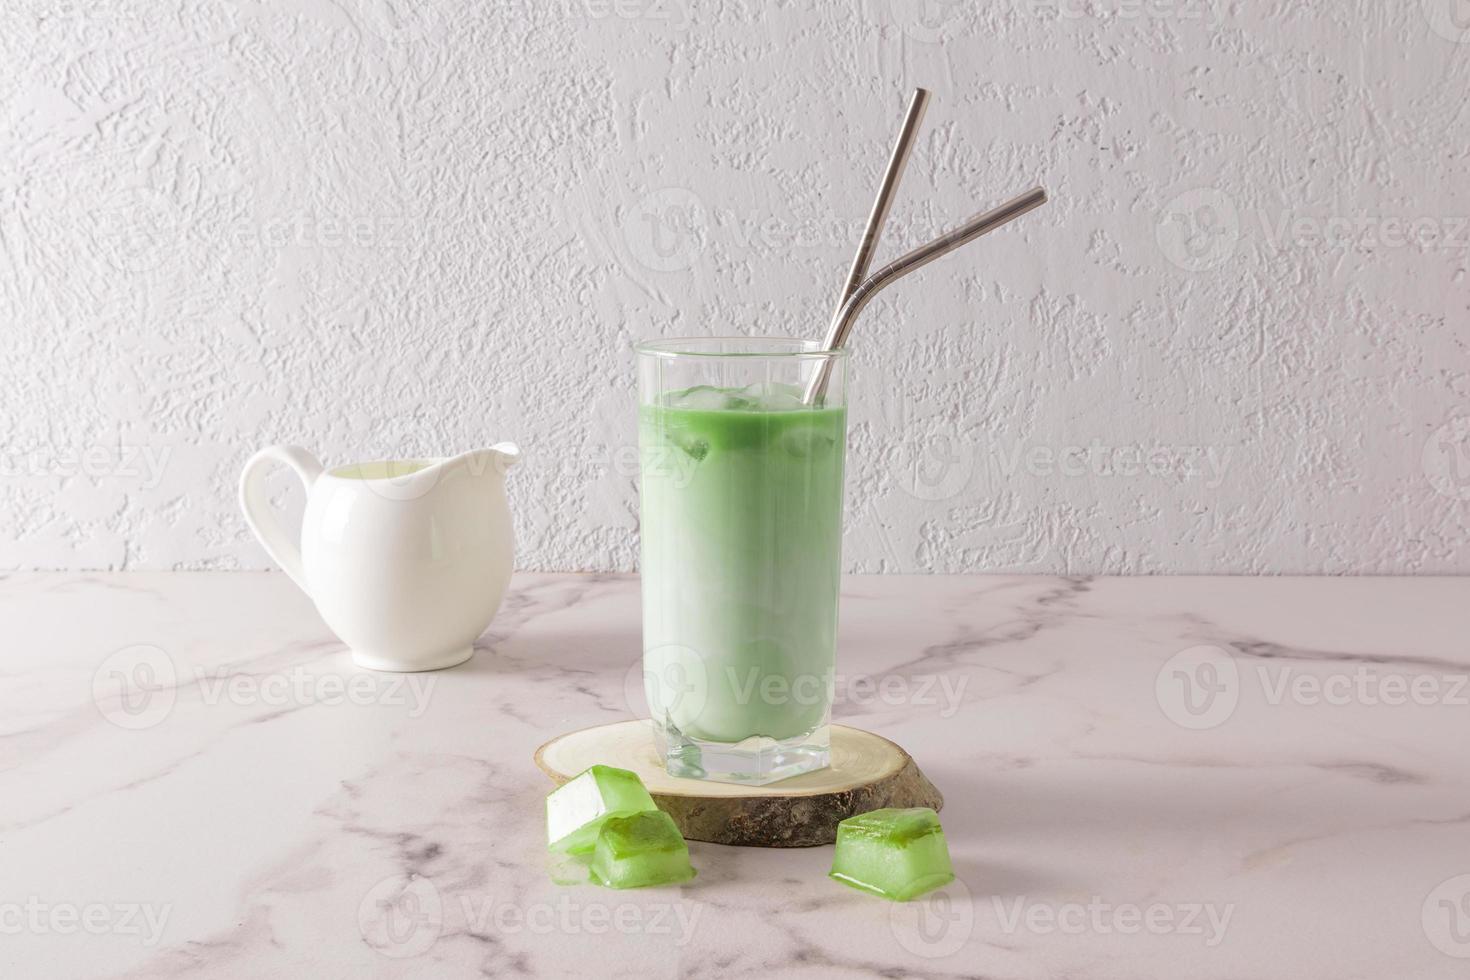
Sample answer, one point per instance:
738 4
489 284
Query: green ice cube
642 849
899 854
576 810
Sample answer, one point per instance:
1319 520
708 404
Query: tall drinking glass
741 553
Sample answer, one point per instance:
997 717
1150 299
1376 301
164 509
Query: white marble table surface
1144 778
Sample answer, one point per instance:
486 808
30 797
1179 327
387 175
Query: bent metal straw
977 226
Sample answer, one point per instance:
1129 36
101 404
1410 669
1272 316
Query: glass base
756 761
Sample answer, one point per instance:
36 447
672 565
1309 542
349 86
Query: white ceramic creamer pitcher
406 560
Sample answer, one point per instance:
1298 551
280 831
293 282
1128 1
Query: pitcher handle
278 543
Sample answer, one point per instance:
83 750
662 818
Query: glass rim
797 348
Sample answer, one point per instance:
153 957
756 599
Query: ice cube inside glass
640 850
896 853
577 810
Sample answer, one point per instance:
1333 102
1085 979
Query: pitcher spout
482 462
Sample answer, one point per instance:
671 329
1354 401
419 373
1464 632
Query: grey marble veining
1144 778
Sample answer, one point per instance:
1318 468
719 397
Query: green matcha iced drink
741 542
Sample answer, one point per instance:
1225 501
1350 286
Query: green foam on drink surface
639 850
898 854
577 810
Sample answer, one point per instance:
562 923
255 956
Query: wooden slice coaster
867 773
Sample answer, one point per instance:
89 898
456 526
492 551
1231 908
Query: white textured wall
380 227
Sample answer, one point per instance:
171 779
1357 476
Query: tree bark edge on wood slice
868 772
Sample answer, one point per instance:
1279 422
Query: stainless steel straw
979 225
887 191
